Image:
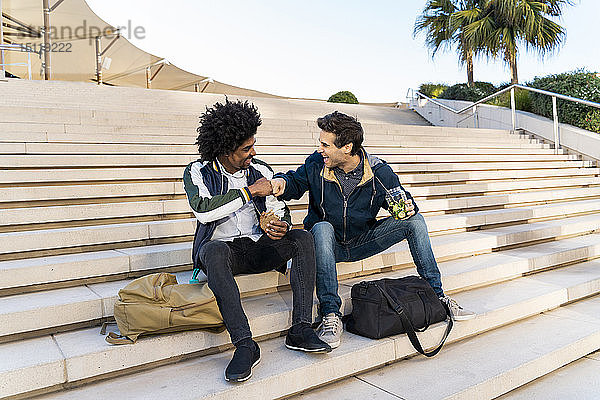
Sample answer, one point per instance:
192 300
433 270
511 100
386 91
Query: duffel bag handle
410 330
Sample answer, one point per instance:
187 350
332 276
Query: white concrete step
282 373
13 242
44 239
82 122
189 138
51 269
486 197
77 125
521 352
507 200
485 166
577 380
81 212
90 116
474 176
66 176
28 147
499 186
102 190
130 173
418 161
30 272
60 307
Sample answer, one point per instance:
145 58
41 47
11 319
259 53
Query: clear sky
315 48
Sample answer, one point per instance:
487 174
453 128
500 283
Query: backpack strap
114 338
410 330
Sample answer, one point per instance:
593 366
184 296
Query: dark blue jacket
349 218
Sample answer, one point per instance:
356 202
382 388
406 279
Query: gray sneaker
330 330
458 313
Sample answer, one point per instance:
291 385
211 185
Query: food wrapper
267 217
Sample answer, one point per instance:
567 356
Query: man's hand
276 229
409 208
278 186
261 188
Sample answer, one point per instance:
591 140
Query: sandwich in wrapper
267 217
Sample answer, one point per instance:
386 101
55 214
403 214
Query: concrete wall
579 140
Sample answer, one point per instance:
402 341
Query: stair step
150 173
148 188
61 307
87 356
487 187
111 160
56 238
505 199
578 380
43 270
102 210
59 268
521 352
189 138
27 147
62 192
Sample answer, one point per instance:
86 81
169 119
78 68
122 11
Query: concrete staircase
91 197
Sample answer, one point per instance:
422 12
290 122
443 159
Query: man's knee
417 224
214 253
302 237
322 231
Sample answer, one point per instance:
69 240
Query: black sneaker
306 340
244 359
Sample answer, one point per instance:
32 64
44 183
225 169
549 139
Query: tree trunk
470 80
511 59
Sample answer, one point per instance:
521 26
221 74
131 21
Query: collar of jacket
328 174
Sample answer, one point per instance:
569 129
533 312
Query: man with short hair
347 188
228 190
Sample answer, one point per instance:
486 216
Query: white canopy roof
73 29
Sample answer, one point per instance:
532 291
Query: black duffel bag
388 307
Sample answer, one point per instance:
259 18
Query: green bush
432 90
462 91
343 97
591 122
522 99
581 84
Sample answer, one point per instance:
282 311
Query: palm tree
501 25
443 30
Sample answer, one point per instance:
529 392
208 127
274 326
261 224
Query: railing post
512 108
99 60
148 77
47 42
2 59
556 133
29 64
475 118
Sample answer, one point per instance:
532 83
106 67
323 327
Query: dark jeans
222 260
385 233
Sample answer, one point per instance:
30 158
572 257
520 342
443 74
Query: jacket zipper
346 204
345 210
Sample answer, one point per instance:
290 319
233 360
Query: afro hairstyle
225 127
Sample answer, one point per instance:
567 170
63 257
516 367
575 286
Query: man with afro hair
228 190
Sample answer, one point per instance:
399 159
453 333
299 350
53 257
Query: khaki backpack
156 303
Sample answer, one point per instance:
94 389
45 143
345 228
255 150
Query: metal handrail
19 48
512 88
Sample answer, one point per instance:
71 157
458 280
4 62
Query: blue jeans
382 235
